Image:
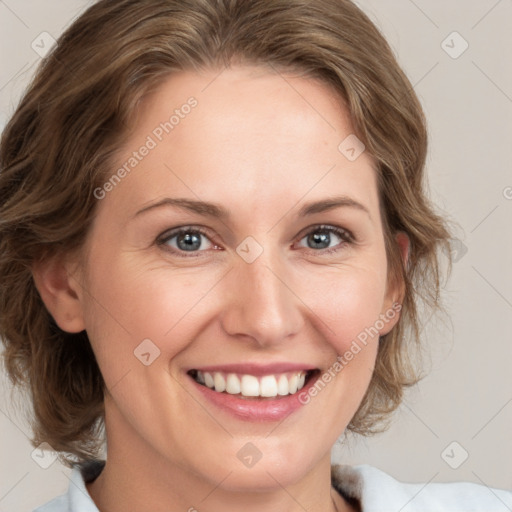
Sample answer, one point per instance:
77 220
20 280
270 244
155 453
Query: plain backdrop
455 425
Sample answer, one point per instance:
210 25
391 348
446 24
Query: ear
58 290
395 294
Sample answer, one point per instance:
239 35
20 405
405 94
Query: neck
135 477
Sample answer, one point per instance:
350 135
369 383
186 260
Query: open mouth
252 386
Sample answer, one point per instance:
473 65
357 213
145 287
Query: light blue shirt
376 491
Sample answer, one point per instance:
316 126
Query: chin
261 478
269 467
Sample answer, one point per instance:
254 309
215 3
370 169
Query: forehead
245 135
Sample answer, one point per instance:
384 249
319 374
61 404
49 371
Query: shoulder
378 491
77 498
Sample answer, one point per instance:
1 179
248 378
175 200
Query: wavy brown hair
77 112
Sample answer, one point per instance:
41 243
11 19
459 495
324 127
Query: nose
260 302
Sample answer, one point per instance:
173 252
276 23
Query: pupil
190 242
323 238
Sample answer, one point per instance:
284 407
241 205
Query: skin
261 145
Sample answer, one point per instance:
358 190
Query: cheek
348 303
128 303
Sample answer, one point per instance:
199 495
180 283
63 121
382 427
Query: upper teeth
250 385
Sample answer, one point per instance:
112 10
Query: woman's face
279 269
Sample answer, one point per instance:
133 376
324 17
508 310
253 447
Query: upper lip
255 369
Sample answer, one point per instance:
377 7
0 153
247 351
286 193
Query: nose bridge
261 304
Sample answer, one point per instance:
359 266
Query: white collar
376 491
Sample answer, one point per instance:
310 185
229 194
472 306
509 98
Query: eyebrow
217 211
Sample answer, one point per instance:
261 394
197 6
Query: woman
214 243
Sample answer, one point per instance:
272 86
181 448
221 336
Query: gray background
467 397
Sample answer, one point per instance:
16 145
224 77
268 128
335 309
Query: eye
187 239
321 237
194 240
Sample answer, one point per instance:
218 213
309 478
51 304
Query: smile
247 385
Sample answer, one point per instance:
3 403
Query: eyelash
344 234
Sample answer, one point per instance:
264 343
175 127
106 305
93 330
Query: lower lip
264 409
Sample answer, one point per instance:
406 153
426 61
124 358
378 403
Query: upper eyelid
327 227
171 233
